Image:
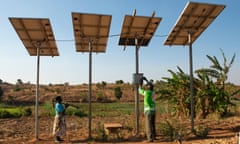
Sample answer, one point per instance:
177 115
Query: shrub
19 82
16 114
1 93
10 113
100 97
84 97
4 114
74 111
27 111
118 92
48 109
119 82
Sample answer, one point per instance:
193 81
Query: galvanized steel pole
90 92
37 91
191 79
137 86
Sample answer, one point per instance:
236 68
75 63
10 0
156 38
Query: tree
66 84
221 72
177 91
204 88
119 82
118 92
19 82
213 95
101 85
1 93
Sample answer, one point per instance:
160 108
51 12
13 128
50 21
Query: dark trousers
150 117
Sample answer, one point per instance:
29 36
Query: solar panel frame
194 19
141 28
92 28
36 33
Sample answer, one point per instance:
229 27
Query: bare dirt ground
22 130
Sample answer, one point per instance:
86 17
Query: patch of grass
4 113
112 109
75 111
27 111
15 112
116 108
49 110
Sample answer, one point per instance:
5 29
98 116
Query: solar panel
140 27
195 18
92 28
36 33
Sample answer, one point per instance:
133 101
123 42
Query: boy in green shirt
149 108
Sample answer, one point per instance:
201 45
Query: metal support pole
90 92
137 86
191 80
37 91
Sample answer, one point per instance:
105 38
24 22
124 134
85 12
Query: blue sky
115 64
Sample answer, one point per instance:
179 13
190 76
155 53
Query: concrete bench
112 128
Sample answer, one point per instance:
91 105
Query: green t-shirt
149 104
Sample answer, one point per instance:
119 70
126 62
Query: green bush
48 109
16 114
74 111
84 97
118 92
119 82
100 97
1 93
4 114
10 113
27 111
